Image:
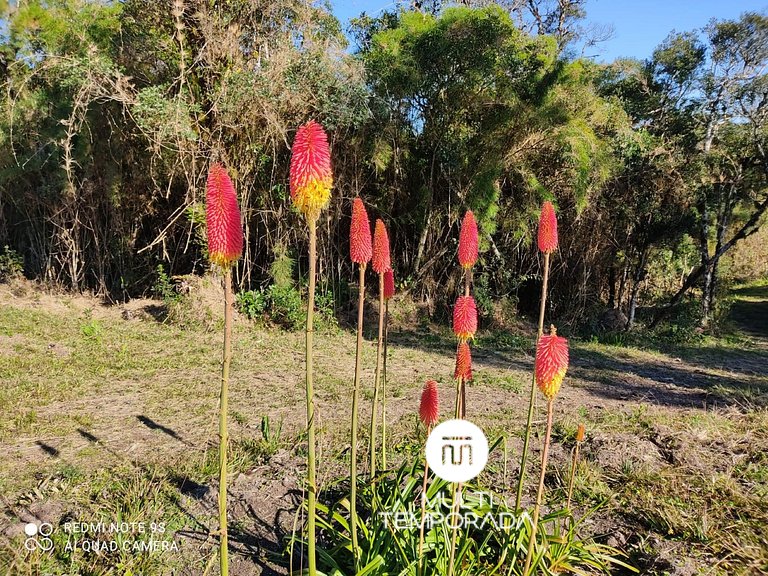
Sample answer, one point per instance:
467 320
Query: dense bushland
113 112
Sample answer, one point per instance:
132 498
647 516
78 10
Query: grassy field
109 415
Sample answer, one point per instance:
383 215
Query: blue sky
640 25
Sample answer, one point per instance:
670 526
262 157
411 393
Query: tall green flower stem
455 506
423 510
353 435
456 491
540 492
532 400
384 390
574 462
460 411
311 474
461 397
223 409
377 377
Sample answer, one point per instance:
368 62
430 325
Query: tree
704 94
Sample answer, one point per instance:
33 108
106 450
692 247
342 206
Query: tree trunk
612 286
706 293
622 285
638 279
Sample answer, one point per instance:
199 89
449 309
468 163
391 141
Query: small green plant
11 264
92 329
285 307
252 303
164 288
271 436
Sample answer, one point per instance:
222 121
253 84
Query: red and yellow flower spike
463 362
381 258
222 216
547 228
429 408
389 284
468 247
311 177
360 248
465 318
551 363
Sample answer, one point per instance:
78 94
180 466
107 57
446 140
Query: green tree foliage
114 110
703 95
470 112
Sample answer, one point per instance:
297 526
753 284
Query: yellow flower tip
552 387
312 197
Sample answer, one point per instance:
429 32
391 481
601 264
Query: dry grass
99 408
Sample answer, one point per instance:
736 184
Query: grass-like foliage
491 539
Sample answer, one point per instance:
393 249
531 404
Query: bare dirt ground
110 411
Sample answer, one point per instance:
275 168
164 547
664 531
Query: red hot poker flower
311 178
381 260
468 241
547 228
222 216
551 363
429 408
360 249
463 362
389 284
465 318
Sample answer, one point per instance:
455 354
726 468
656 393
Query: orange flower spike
381 259
311 178
465 318
429 408
222 215
580 432
551 363
389 284
547 228
360 248
463 362
468 241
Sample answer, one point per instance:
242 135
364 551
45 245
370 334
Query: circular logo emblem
457 450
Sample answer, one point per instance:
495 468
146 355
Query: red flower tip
463 362
360 248
429 408
222 217
551 363
311 178
465 318
381 260
547 228
389 284
468 241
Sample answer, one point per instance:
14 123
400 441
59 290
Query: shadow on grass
665 381
152 425
48 449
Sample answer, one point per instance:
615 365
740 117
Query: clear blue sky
639 25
